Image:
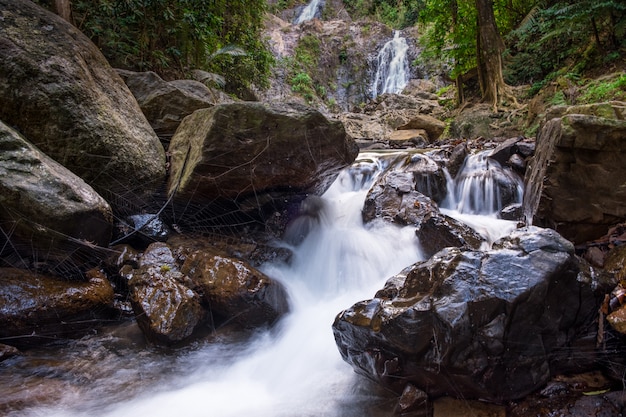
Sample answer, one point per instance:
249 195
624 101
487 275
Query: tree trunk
489 47
64 9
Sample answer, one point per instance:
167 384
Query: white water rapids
294 369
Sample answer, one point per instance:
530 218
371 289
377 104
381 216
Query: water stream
292 370
392 67
309 11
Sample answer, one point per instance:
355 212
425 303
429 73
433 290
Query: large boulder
492 325
253 158
39 308
59 91
576 183
166 103
48 216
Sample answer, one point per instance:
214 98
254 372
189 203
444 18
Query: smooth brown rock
37 308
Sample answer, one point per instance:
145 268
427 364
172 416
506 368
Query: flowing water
392 67
292 370
309 11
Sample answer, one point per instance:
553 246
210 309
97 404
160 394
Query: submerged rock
493 325
59 91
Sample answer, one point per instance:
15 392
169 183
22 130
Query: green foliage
604 90
172 37
395 13
303 84
451 30
573 35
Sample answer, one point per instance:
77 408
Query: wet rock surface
166 309
181 288
36 308
493 325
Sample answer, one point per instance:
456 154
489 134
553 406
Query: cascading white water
294 369
309 11
480 184
392 67
477 195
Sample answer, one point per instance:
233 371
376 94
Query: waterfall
392 67
479 192
309 11
482 186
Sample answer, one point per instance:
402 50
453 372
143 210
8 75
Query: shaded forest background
540 42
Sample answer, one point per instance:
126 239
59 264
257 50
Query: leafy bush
172 37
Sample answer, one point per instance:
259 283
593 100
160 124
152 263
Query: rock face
576 182
491 325
390 116
166 103
50 215
63 96
40 308
249 157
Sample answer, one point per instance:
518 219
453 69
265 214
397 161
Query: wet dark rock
241 162
36 308
493 325
413 400
438 231
55 221
59 91
457 157
512 212
234 291
393 198
187 285
166 309
166 103
429 177
574 184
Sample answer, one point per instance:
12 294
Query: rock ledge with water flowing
491 325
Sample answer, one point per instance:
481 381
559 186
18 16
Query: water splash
392 67
309 11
